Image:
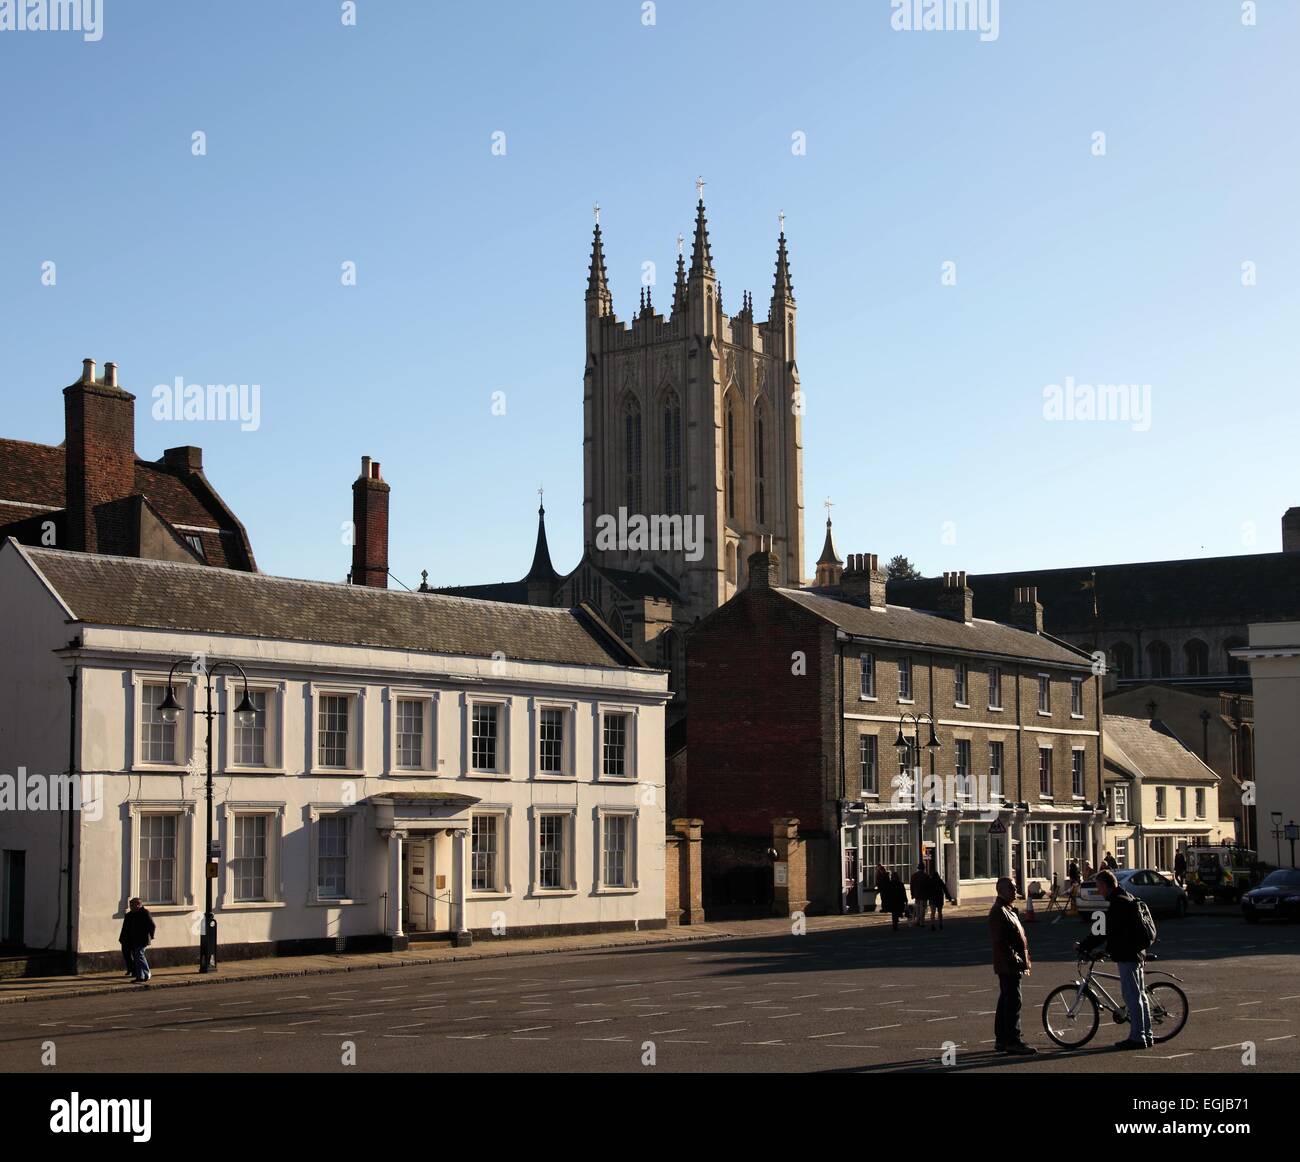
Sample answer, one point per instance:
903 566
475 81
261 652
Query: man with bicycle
1126 937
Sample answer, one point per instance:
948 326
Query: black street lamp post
245 715
906 745
1277 835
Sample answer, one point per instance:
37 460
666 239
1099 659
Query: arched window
731 563
1231 665
760 462
672 463
618 623
1121 660
1197 656
1158 660
729 436
632 455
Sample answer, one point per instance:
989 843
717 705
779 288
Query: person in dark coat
937 893
1011 962
1125 938
137 931
1180 868
920 886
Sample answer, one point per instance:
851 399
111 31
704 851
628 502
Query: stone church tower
696 414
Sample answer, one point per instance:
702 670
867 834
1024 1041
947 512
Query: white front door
419 908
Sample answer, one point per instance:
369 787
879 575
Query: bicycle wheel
1070 1019
1169 1011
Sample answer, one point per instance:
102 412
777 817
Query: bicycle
1072 1012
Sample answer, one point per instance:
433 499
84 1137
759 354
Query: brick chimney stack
99 458
370 527
1026 612
764 566
863 577
1291 531
956 599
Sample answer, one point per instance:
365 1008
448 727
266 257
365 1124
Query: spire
829 567
542 570
701 258
679 287
782 288
597 283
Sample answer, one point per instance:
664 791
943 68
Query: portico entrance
428 862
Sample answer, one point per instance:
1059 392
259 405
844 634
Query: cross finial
828 504
699 188
781 218
596 211
681 244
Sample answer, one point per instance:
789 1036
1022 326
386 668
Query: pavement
847 995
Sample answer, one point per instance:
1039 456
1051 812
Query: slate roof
1145 595
1150 750
914 627
33 474
127 591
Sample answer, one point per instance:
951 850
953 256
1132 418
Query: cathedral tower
694 415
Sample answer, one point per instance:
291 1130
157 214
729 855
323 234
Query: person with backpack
138 931
1128 931
938 893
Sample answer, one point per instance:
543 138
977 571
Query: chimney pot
87 371
110 374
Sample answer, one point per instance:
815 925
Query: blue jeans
1135 1000
140 964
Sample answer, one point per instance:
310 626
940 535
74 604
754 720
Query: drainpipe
841 814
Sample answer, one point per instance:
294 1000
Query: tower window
632 456
760 463
672 417
730 437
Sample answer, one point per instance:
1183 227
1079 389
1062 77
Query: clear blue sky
371 144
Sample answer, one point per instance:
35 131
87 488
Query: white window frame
598 878
1050 794
1182 803
1076 697
963 784
632 766
1162 802
961 684
316 812
994 674
501 889
143 682
274 813
570 817
1080 794
1045 694
1201 801
874 793
503 704
184 810
569 758
1118 803
233 691
905 665
999 793
428 700
867 676
356 696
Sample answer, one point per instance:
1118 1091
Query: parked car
1278 895
1157 891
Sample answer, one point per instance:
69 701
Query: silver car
1156 890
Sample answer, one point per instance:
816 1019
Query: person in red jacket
1011 962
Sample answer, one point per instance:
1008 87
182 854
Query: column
862 870
463 936
395 901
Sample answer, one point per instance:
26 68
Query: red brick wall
755 728
99 454
370 528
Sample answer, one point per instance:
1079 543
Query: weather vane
596 210
828 504
699 188
681 244
781 217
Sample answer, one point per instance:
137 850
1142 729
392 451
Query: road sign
997 827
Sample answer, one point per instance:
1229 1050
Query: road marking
657 1032
313 1021
596 1021
387 987
242 1029
719 1024
401 1036
1292 997
782 1016
1231 1045
182 1009
481 1018
931 1020
803 996
1211 1009
428 1008
1243 1004
412 1025
227 1004
818 1036
671 1041
762 1042
466 1036
1287 1037
877 1028
534 1029
847 1045
280 1032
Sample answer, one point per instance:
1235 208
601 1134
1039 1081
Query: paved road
859 999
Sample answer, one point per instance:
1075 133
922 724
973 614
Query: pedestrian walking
1011 963
1088 870
1072 871
1180 867
1129 932
938 893
137 931
1109 862
920 886
893 897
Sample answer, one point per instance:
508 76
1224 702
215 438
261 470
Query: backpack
1146 930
